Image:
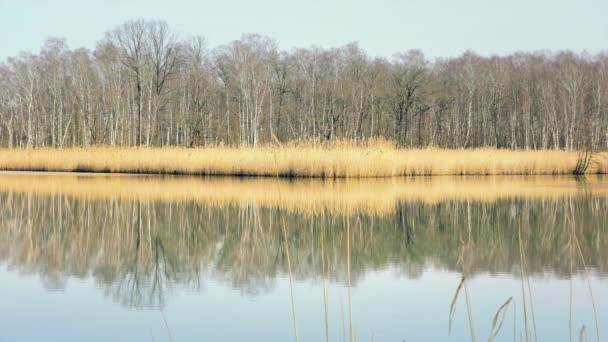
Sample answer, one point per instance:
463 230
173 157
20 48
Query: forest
144 85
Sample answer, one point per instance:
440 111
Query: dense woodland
143 85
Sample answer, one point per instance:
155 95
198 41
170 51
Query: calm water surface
140 258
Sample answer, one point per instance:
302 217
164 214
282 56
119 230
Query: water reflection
371 196
142 239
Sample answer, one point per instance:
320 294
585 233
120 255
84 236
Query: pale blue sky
382 27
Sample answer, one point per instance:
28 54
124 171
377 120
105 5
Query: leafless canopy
143 85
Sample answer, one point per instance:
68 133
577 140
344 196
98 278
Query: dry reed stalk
350 297
293 303
571 290
499 319
469 313
166 325
463 284
595 317
531 297
453 304
523 291
514 321
582 336
325 291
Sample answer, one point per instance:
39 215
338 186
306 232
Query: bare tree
130 40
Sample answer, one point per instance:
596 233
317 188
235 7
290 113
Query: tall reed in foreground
336 161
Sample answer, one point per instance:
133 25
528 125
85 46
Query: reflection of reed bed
339 160
371 196
138 249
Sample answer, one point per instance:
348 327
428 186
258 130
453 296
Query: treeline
142 85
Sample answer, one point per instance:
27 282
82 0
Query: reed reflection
140 249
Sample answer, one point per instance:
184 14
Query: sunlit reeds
336 161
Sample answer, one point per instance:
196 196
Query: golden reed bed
377 196
339 161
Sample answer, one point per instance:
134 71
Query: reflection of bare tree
139 251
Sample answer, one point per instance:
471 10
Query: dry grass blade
453 304
499 319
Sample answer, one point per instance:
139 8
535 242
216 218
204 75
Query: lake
163 258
